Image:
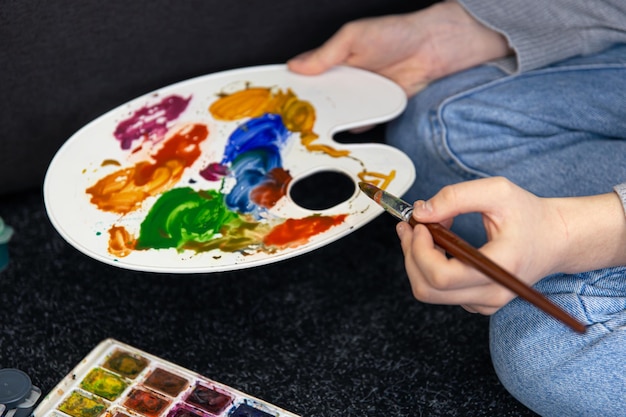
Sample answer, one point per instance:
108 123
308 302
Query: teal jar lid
5 235
5 232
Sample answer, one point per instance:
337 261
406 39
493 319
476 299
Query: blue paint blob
251 170
267 131
253 150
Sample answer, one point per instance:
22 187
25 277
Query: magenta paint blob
150 122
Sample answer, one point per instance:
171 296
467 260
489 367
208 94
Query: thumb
465 197
333 52
306 63
423 211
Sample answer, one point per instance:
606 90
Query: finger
429 262
469 309
405 233
412 79
481 309
457 285
483 299
334 51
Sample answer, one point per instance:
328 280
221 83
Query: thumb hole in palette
322 190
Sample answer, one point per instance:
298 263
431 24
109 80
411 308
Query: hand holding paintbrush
464 252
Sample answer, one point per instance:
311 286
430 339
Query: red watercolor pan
117 380
197 177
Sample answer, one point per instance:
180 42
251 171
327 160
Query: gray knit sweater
542 32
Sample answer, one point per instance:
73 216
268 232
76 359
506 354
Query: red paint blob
146 403
183 147
295 232
124 190
267 194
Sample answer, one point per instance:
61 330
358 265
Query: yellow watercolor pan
117 380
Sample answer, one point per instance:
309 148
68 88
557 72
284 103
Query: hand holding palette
117 380
196 177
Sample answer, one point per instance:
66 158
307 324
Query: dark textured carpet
335 332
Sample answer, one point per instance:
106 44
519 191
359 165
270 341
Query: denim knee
555 371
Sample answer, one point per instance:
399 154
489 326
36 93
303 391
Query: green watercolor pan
117 380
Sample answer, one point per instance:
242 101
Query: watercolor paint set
117 380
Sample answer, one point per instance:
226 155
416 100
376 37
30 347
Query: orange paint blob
251 102
121 243
378 179
295 232
124 190
307 140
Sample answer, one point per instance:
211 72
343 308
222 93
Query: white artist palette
195 177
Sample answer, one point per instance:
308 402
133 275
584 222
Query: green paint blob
183 215
104 384
79 405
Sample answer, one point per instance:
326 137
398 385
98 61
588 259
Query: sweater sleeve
542 32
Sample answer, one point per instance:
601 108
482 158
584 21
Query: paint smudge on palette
188 203
117 380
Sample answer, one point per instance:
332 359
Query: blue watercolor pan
117 380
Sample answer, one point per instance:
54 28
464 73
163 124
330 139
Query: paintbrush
463 251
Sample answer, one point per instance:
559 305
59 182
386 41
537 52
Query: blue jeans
555 371
556 131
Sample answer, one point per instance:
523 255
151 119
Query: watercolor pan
117 380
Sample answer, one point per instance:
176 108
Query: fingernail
401 229
423 208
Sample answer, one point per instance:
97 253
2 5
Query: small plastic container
18 395
6 232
